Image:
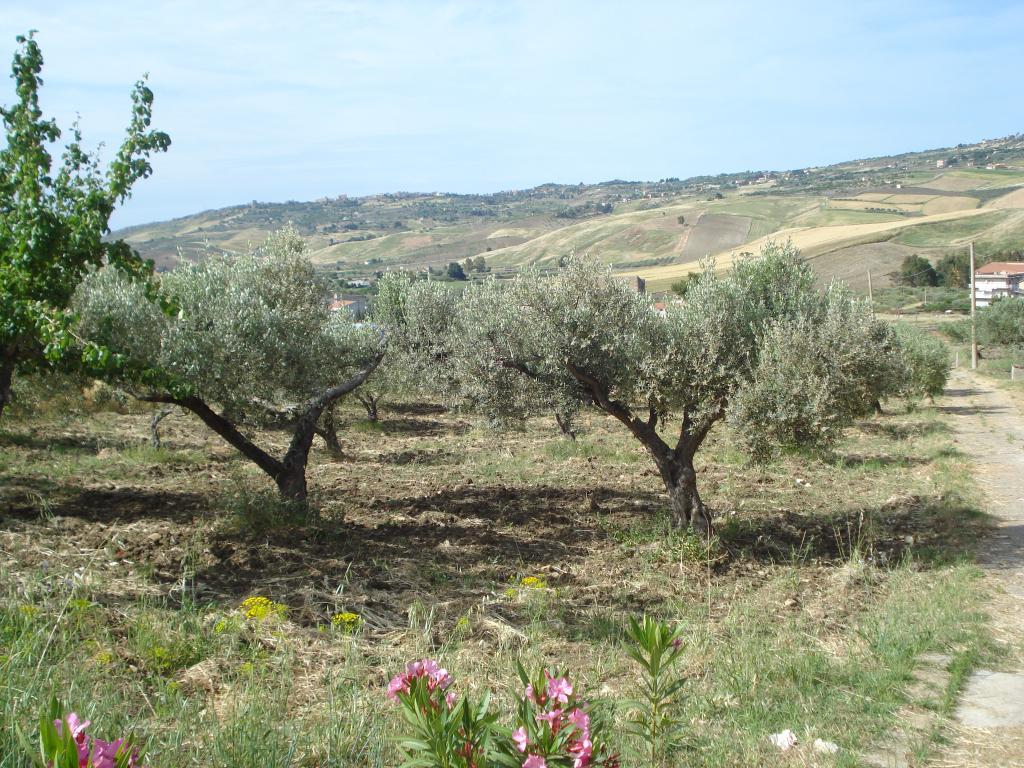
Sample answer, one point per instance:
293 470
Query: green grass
949 232
918 300
807 611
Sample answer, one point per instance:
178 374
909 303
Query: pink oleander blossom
94 752
78 734
398 684
552 718
104 753
535 761
581 751
437 677
559 689
450 698
530 694
581 721
519 737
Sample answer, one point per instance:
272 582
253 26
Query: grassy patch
826 579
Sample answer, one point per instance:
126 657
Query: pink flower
77 727
559 689
104 753
519 737
581 720
535 761
398 684
583 750
437 677
532 696
552 718
450 698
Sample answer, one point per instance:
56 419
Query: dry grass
825 580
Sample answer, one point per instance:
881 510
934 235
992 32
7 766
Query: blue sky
297 100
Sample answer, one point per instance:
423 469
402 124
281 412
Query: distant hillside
849 217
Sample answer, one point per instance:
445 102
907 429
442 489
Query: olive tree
252 344
52 224
585 337
1002 322
926 360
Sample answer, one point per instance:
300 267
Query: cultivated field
123 569
827 211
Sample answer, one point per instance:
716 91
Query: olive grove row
249 342
246 342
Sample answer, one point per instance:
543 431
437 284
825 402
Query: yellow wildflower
263 608
347 621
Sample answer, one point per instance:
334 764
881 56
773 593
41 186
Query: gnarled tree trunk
289 473
328 430
565 425
675 465
370 403
154 425
680 479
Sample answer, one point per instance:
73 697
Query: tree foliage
926 362
738 346
52 223
816 371
682 285
252 335
917 271
1002 322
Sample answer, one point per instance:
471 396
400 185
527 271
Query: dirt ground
990 430
432 520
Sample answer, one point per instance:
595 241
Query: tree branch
691 438
224 428
644 431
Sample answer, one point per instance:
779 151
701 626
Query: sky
297 100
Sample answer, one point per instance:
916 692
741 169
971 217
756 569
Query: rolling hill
848 218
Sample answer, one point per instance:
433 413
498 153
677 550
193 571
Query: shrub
926 360
1002 322
64 743
554 728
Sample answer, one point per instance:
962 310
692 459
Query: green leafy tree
926 359
456 272
52 223
252 344
954 270
917 271
583 337
680 286
1002 322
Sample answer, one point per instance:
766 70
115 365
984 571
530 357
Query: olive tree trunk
565 425
289 472
675 464
680 479
154 425
328 430
370 403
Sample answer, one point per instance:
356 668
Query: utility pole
974 309
871 297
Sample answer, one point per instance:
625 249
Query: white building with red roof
999 279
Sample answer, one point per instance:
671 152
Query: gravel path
989 430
